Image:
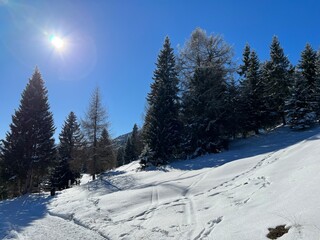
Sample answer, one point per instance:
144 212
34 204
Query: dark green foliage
243 69
206 66
251 103
128 151
133 146
303 105
28 150
205 112
232 110
120 156
105 154
277 74
70 161
162 125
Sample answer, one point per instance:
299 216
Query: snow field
273 181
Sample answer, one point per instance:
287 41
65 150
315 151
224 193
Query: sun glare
57 42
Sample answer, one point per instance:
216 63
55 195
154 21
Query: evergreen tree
120 156
94 123
162 125
232 108
106 158
318 83
251 104
136 142
28 150
303 104
128 151
205 65
133 146
70 160
277 74
243 69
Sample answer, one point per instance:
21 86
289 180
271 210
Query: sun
57 42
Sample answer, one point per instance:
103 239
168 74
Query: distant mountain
121 140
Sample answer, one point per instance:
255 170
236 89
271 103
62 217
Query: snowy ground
262 182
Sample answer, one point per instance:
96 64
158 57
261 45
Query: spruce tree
120 156
28 150
133 146
136 142
69 153
243 69
232 109
251 104
162 125
205 64
93 124
106 158
303 106
277 75
128 151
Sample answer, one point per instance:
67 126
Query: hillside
262 182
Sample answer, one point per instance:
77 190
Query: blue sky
114 44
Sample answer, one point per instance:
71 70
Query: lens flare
57 42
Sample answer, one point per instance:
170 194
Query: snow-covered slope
262 182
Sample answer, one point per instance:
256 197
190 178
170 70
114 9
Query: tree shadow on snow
244 148
111 181
18 213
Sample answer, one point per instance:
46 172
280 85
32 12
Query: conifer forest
201 98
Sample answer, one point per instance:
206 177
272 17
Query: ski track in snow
206 203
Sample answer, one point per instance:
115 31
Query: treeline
31 160
200 99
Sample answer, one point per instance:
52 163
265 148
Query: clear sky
114 44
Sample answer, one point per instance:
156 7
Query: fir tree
206 111
70 157
162 126
277 74
106 158
206 69
128 151
303 106
94 123
133 146
252 107
232 108
120 156
136 142
29 150
243 69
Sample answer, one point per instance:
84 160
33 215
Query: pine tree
29 150
70 158
162 126
106 158
93 124
303 104
277 74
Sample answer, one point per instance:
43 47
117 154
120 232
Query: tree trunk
284 122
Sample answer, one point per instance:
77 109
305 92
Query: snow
262 182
